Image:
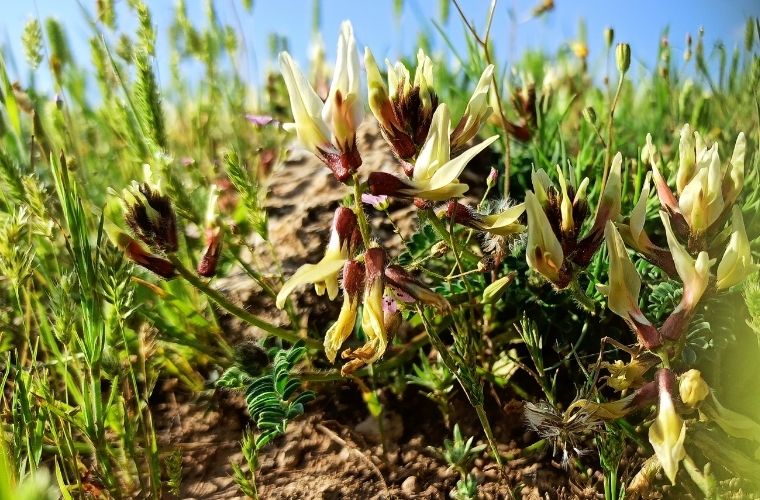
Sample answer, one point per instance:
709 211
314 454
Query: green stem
608 149
237 311
584 300
489 434
359 211
451 364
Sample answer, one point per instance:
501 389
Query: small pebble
409 486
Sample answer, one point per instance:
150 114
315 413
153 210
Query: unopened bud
623 57
609 36
493 176
495 290
692 388
590 115
210 257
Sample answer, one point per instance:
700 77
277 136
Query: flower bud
736 263
668 432
623 57
692 388
353 282
687 160
648 151
212 251
495 290
476 112
733 180
609 36
493 176
378 98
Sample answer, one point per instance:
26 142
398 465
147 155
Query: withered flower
353 282
373 316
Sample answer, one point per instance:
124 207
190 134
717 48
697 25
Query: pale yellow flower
544 251
667 434
736 263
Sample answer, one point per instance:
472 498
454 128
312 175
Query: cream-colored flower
306 107
733 179
476 113
344 109
736 263
544 252
667 434
324 274
609 203
624 281
701 201
638 236
694 273
436 174
377 94
505 222
566 205
687 159
648 151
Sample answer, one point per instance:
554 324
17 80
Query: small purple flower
389 304
260 120
379 202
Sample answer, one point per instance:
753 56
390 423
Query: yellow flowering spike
544 252
736 263
306 106
476 112
344 109
668 432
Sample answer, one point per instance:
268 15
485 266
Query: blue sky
638 22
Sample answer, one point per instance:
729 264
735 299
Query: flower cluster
432 155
